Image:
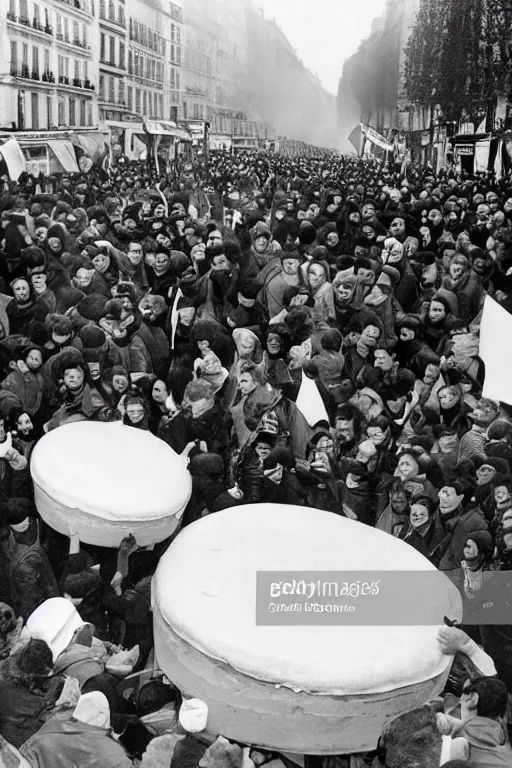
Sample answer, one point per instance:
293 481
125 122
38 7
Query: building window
21 110
24 52
102 88
121 92
12 8
102 47
185 110
58 19
14 58
130 62
121 55
111 89
72 116
112 59
62 112
77 70
145 103
174 114
130 97
34 105
137 100
121 15
24 9
49 112
111 11
177 81
66 30
35 61
161 106
60 70
37 17
196 111
82 112
89 113
86 70
102 9
46 60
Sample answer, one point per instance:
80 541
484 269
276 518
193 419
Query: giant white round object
107 480
304 689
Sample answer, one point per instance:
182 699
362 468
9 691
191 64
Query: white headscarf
93 709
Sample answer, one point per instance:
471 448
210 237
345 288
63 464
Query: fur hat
91 336
412 322
33 257
207 464
92 307
35 658
483 540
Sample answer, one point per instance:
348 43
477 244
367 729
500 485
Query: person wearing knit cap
424 531
457 523
31 578
276 279
26 692
263 246
100 353
466 286
80 399
475 569
411 351
358 357
316 276
20 310
82 737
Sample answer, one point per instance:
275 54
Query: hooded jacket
488 743
63 741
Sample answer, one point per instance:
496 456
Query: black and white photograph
255 384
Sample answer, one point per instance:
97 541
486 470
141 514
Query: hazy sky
324 32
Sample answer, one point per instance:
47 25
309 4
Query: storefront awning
14 159
166 128
469 138
65 154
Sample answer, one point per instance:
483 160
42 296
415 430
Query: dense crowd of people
306 331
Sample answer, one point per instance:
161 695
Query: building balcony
63 80
48 77
88 85
77 82
77 5
110 63
118 22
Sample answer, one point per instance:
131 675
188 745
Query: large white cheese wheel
107 480
308 689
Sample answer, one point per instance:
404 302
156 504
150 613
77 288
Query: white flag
495 338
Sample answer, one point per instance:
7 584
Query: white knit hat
55 621
193 715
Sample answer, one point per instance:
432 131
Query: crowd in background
306 331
